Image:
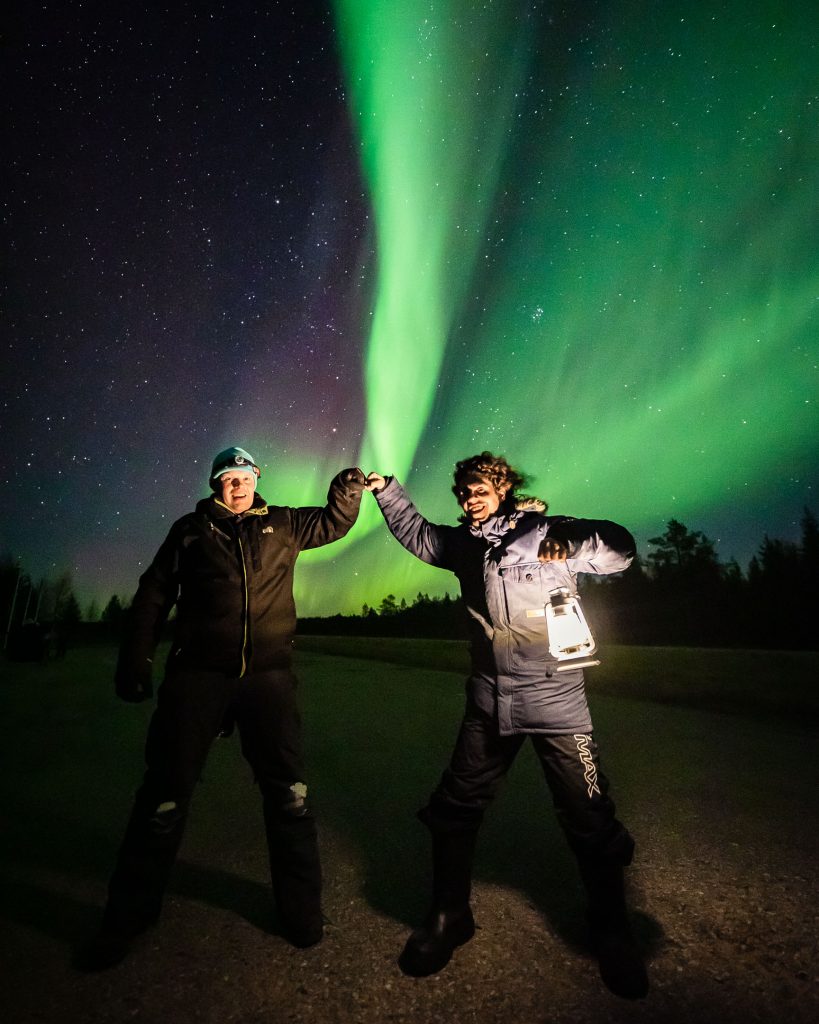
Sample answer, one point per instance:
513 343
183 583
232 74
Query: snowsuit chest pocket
525 592
524 588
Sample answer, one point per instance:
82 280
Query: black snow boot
111 943
618 955
449 923
295 871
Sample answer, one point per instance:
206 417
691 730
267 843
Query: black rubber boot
295 871
107 948
137 885
618 955
449 923
430 947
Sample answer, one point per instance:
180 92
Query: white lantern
570 639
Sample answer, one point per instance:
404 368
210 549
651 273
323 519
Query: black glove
553 549
135 684
353 478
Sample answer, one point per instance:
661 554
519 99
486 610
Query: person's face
238 487
479 499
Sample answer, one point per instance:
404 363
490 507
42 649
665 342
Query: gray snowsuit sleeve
425 540
595 545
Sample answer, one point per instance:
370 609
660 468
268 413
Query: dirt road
724 887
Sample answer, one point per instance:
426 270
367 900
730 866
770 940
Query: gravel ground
724 891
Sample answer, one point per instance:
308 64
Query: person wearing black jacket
228 568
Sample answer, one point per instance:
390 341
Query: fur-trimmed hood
507 517
527 503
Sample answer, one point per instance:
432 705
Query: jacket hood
217 509
524 503
511 509
496 527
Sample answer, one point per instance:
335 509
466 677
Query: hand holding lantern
570 639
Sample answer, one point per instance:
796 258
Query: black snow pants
192 706
571 767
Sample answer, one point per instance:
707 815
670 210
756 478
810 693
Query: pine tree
112 613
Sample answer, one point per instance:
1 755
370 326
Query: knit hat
232 459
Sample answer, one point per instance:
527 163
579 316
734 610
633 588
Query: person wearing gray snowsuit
508 556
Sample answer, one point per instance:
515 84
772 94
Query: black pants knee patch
166 817
288 802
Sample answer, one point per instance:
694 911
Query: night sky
396 233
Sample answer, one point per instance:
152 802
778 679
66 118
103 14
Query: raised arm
421 538
313 527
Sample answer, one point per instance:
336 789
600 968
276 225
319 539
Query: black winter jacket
231 577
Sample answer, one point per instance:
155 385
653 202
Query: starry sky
392 234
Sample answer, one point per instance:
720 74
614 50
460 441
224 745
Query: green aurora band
596 253
432 128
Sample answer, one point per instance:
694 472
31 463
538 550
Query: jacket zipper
246 608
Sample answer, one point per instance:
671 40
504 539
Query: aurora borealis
393 234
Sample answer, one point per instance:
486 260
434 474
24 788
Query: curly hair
493 468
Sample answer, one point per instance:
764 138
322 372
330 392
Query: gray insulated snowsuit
505 589
516 695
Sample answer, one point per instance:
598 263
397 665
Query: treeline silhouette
680 594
